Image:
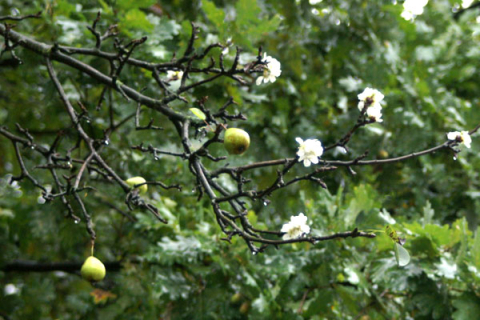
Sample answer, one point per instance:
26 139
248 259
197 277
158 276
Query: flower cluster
412 8
309 151
271 70
296 227
462 137
370 99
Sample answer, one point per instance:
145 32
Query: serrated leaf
215 15
250 25
428 213
468 307
247 11
363 199
402 255
320 304
199 113
127 4
136 19
476 249
462 252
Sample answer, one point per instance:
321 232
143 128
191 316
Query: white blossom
309 151
370 97
375 113
412 8
10 289
467 3
296 227
225 48
174 79
463 136
174 75
271 70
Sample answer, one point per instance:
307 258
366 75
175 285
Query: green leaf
250 26
127 4
363 199
468 307
199 113
428 213
402 255
215 15
462 252
320 304
247 11
424 245
105 7
476 249
136 19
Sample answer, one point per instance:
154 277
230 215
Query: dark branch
19 18
35 266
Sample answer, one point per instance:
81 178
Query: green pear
137 180
245 307
93 269
382 154
236 141
236 298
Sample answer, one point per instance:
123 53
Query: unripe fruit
236 141
382 154
137 180
236 298
245 307
93 269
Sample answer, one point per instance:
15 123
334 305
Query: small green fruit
236 298
93 269
382 154
245 307
137 180
236 141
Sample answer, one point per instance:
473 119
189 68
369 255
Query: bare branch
19 18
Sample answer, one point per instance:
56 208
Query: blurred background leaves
330 50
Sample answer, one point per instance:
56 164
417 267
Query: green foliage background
330 51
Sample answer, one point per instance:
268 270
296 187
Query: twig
19 18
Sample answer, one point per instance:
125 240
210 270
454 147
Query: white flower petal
453 135
467 140
369 96
174 75
361 105
285 227
296 227
305 229
463 136
309 151
271 69
375 112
